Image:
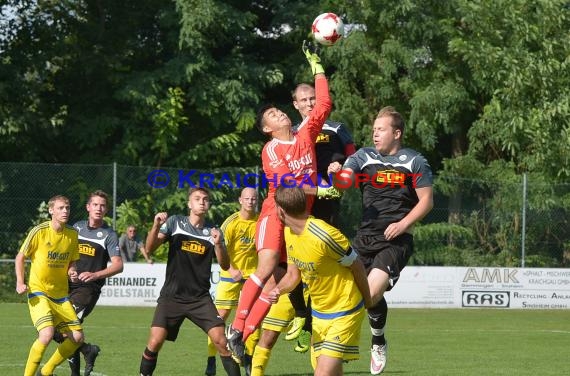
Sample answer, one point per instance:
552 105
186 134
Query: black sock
75 363
84 348
148 362
231 367
247 360
298 301
377 317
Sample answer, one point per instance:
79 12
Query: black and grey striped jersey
388 184
96 247
190 255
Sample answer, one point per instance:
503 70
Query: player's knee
327 366
46 335
76 336
268 338
155 343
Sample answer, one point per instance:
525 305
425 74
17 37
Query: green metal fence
508 223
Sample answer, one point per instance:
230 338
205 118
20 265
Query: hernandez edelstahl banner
140 284
418 287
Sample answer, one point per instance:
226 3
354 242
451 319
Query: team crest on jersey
86 249
402 157
323 138
245 240
193 246
99 234
205 231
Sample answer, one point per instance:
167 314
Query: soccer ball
327 29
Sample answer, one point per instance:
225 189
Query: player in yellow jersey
239 236
336 280
52 248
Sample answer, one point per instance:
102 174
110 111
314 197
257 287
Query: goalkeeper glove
328 193
310 51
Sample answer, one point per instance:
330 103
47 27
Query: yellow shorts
227 294
280 315
338 337
45 312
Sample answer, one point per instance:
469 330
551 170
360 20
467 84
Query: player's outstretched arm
311 53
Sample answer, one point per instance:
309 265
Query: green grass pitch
421 342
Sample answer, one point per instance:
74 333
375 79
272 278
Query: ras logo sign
487 299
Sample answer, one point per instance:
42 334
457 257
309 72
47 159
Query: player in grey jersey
396 186
98 245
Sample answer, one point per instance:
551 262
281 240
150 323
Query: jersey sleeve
30 243
166 228
313 124
337 245
422 171
344 135
227 229
347 141
112 244
334 243
355 161
75 246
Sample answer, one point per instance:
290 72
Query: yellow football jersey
316 252
239 235
51 253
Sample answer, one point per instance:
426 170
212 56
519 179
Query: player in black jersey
396 186
98 245
186 290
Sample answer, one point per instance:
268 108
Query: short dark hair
259 116
98 193
292 200
198 189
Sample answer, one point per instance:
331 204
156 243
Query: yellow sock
211 348
313 359
63 351
260 360
251 342
34 358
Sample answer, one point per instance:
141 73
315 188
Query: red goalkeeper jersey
294 162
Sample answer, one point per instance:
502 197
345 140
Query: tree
490 78
483 85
